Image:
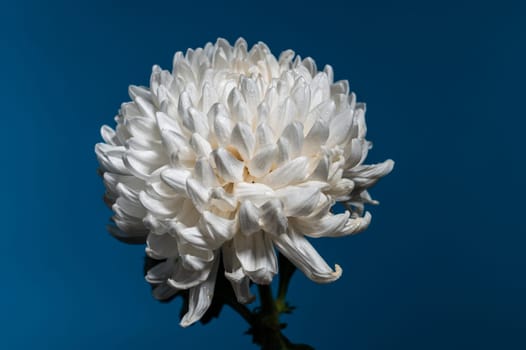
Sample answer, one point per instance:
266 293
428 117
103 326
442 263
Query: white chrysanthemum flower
237 153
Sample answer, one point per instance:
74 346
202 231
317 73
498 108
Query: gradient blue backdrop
442 265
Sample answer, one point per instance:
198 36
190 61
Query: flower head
236 153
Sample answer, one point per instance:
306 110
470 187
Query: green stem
267 300
267 329
265 325
287 269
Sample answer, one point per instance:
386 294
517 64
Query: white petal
321 172
273 217
286 114
188 214
293 133
160 272
228 167
196 263
182 68
238 106
359 120
176 144
222 200
161 246
136 91
208 96
160 189
204 173
316 137
130 207
341 189
340 87
194 236
262 114
108 135
320 90
248 218
243 140
141 127
146 107
289 173
257 257
250 92
264 135
241 286
111 181
132 226
365 176
221 123
200 145
143 163
183 278
255 192
355 152
301 96
200 298
340 128
234 273
301 253
110 158
176 179
329 72
156 225
283 153
299 201
128 192
184 103
197 122
197 193
262 161
219 229
330 225
357 225
160 208
310 64
191 242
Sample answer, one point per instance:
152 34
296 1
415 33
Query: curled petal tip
337 271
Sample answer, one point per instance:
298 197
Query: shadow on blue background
442 265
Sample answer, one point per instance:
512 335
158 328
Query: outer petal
176 179
301 253
160 272
184 278
328 226
218 229
234 273
364 176
201 297
161 246
299 200
291 172
255 192
257 257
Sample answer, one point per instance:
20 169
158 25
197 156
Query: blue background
443 263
